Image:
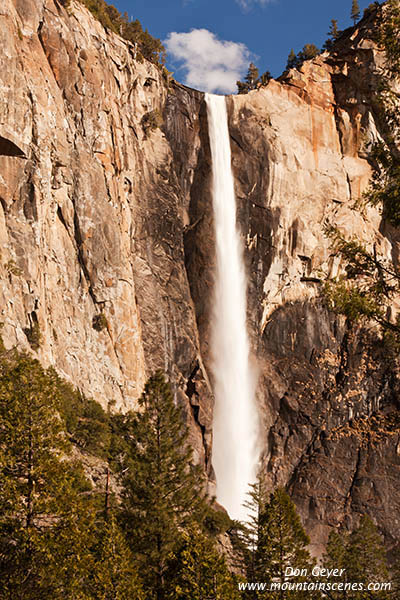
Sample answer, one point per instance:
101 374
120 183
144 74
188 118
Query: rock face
105 217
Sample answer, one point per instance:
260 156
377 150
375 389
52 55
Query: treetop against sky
210 43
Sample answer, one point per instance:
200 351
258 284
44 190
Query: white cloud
248 4
210 64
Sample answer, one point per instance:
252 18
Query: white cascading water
235 426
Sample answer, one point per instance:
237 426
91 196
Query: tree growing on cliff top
308 52
292 60
355 11
333 35
163 492
109 16
253 80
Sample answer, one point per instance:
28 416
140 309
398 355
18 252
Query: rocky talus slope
102 214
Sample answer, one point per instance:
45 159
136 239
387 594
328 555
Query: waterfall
235 425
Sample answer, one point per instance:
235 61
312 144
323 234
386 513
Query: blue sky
211 42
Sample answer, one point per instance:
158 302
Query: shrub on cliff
110 17
371 282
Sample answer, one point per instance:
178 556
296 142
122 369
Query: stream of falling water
235 426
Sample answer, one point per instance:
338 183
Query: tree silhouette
355 11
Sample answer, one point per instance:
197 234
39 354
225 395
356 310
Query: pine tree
252 76
114 575
292 60
308 52
243 87
265 78
362 556
365 558
252 532
282 541
197 571
333 30
333 35
274 540
163 491
335 558
44 516
355 11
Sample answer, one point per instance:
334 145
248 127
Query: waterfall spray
235 426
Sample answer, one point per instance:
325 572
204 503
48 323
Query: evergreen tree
362 556
282 541
335 558
308 52
365 559
252 76
252 533
251 80
292 60
275 539
333 34
242 87
197 571
265 78
355 11
114 574
372 281
45 522
163 491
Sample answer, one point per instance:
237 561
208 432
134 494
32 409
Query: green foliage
362 556
57 542
274 539
292 60
13 268
252 76
282 541
216 522
253 80
99 322
197 571
308 52
151 121
388 35
110 17
367 289
355 11
86 423
34 335
348 300
45 519
333 33
372 282
114 574
162 489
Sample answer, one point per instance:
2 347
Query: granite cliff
106 220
